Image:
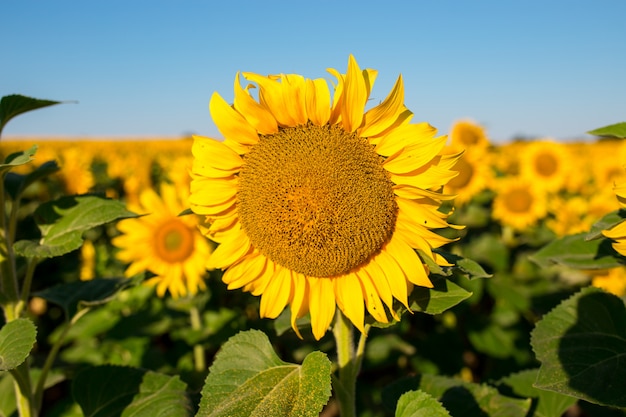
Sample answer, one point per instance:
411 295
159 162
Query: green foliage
580 345
63 222
545 403
248 379
576 251
107 391
16 341
617 130
419 404
444 295
17 159
16 184
16 104
460 398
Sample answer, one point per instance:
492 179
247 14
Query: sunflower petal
231 123
318 101
258 116
410 263
271 97
321 305
381 117
277 294
350 299
355 97
404 137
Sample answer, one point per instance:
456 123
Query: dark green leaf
17 338
546 403
74 295
612 219
247 379
617 130
445 295
15 184
581 346
419 404
62 223
16 104
577 252
458 397
17 159
110 391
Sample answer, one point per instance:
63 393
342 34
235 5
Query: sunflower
317 203
547 163
469 135
518 203
168 245
475 174
618 232
612 280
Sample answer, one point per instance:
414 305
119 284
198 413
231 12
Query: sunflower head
162 242
317 203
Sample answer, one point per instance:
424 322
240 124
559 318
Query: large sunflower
318 204
164 243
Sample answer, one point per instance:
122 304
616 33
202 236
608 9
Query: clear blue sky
143 68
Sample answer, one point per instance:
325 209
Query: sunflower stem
349 362
198 350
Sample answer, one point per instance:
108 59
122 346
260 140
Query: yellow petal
277 294
294 92
372 298
335 113
350 299
379 280
318 101
230 251
231 123
395 276
414 157
212 191
249 269
381 117
258 116
271 97
355 97
404 137
408 260
299 301
215 154
321 305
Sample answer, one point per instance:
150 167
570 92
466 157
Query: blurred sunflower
469 135
546 163
316 203
475 174
518 203
618 232
612 280
168 245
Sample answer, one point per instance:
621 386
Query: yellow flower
88 261
518 203
168 245
612 280
469 135
475 174
618 232
546 163
317 204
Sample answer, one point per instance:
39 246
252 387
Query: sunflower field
321 259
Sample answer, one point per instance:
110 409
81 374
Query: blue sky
148 68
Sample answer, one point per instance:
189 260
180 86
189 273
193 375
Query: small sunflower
168 245
475 174
618 232
612 280
547 163
518 203
317 203
469 135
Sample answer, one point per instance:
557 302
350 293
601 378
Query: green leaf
17 339
107 391
610 220
74 295
16 104
617 130
545 403
17 159
15 184
248 379
419 404
62 223
577 252
581 346
445 295
458 397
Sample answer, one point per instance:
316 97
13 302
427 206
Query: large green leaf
16 104
581 345
111 391
458 397
576 251
617 130
74 295
419 404
62 223
545 403
248 379
17 338
445 295
17 159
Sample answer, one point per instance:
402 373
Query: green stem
23 390
349 362
28 280
8 274
41 383
198 350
